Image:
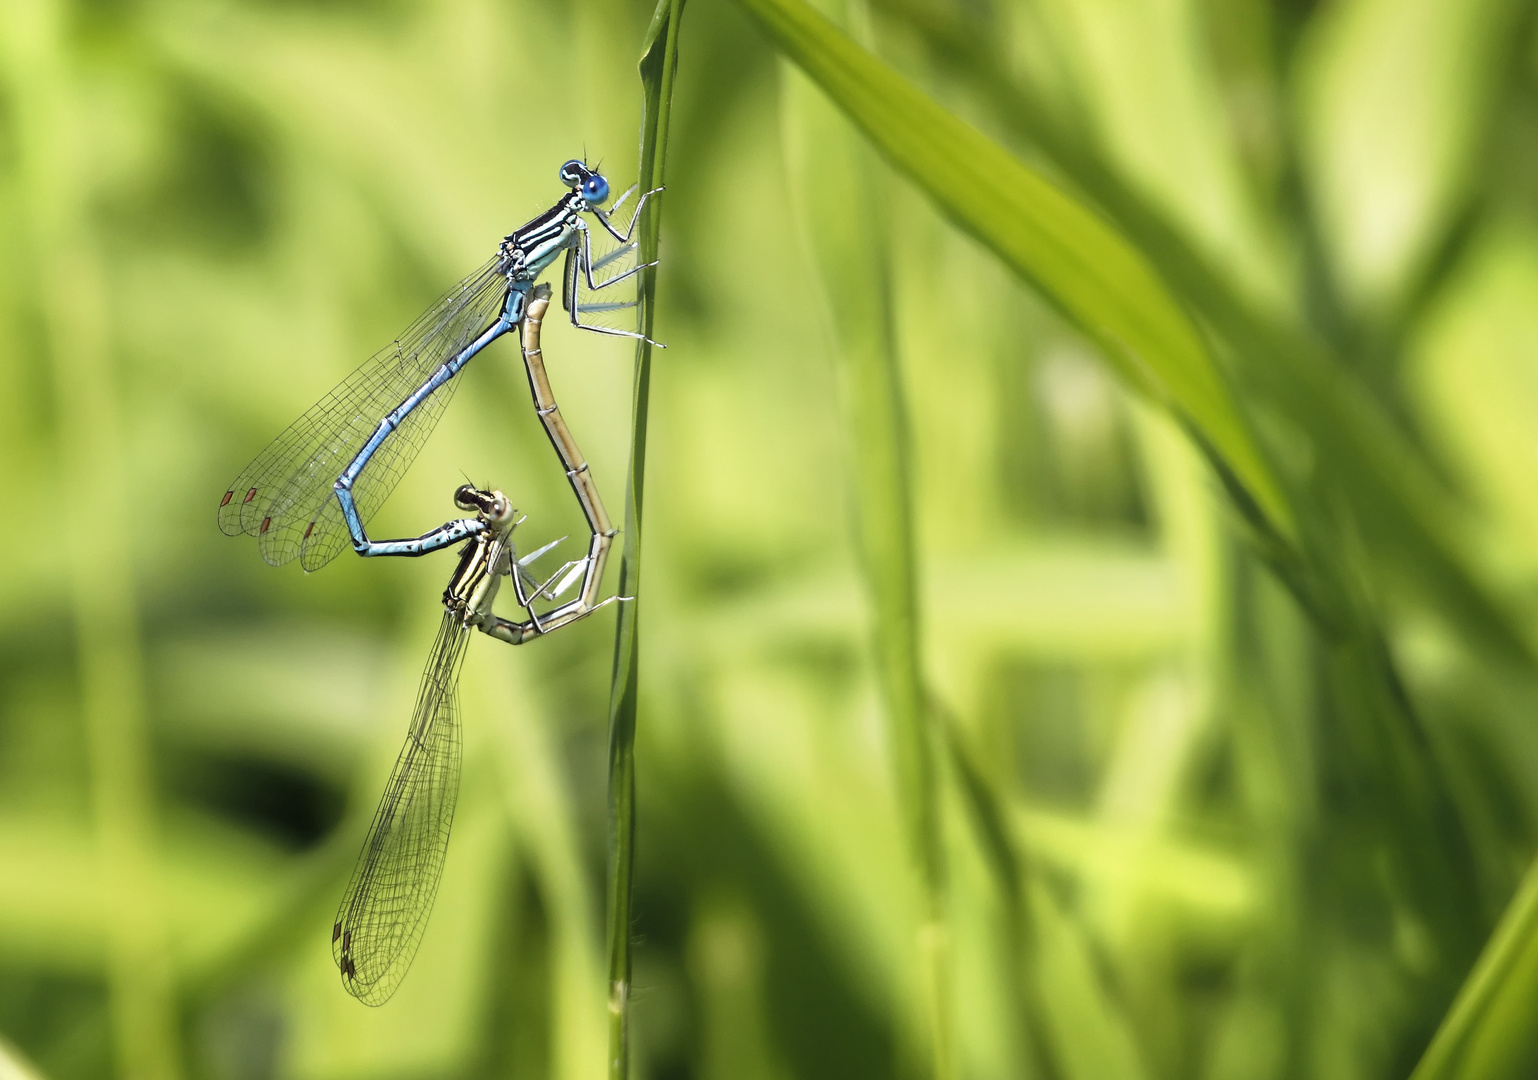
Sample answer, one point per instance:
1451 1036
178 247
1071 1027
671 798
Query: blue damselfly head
590 183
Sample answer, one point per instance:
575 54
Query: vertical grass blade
72 297
837 184
659 63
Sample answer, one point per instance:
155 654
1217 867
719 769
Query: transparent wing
611 306
284 497
385 908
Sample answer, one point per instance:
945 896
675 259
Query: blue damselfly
316 486
384 911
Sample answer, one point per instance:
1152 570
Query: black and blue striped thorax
529 250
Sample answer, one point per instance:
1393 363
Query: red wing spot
336 931
307 530
228 495
266 522
249 496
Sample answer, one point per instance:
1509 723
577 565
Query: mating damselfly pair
317 484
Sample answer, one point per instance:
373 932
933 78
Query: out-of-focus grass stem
1488 1033
838 185
659 62
96 513
989 812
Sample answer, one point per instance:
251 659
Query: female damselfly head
588 182
493 506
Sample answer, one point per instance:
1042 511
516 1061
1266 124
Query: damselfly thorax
488 555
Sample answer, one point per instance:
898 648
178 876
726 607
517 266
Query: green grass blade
659 62
1488 1033
1078 261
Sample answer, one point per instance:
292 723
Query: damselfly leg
606 217
581 265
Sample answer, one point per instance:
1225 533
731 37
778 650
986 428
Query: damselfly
316 485
385 908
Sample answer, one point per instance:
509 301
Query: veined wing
284 497
385 908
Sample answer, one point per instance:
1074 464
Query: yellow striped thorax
485 559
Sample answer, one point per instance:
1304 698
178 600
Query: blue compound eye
572 173
595 190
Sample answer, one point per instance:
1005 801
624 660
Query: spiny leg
585 258
588 264
635 215
517 633
529 588
579 261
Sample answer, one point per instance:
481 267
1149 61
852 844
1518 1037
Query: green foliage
1090 540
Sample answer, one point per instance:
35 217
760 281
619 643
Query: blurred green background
1192 826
